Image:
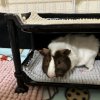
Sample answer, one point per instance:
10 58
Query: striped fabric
20 6
78 75
50 6
88 6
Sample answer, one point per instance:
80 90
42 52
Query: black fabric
4 36
41 40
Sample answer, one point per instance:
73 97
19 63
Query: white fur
83 49
51 68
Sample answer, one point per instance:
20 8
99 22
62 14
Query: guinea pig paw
89 68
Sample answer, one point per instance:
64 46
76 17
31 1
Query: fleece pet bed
79 75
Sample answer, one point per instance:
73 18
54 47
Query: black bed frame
46 32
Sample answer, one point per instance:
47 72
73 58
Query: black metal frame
14 24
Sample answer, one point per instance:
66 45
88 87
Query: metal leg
13 35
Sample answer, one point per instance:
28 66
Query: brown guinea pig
56 65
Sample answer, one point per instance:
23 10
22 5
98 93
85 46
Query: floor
94 94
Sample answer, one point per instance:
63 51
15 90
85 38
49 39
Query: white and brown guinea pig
64 53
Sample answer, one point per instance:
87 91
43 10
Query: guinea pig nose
60 74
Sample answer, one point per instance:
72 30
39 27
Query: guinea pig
56 65
64 53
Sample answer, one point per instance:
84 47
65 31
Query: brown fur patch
46 60
62 62
61 59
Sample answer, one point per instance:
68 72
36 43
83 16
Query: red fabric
4 58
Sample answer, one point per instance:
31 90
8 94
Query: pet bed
30 72
79 75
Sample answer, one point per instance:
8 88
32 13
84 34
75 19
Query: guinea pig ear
66 51
44 51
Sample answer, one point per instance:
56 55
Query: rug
8 82
8 85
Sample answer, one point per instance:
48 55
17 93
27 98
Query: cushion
78 75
